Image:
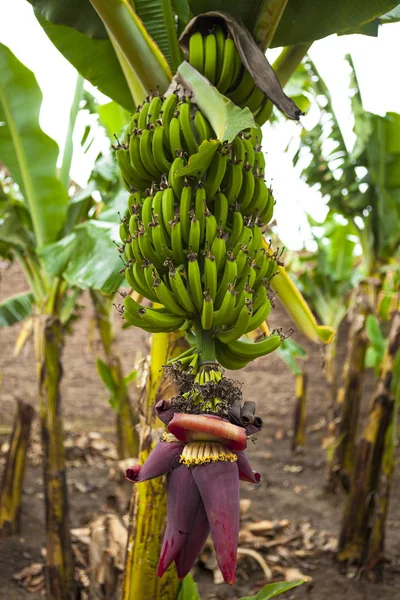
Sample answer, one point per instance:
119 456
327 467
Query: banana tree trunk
127 435
347 407
13 475
148 505
59 558
330 360
361 539
300 413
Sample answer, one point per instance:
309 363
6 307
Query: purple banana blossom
202 496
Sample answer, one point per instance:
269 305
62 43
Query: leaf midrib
22 163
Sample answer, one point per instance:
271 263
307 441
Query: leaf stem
68 146
139 50
269 15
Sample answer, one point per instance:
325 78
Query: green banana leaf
273 589
87 258
78 14
289 351
95 59
91 51
188 589
113 117
225 117
302 20
16 227
158 17
15 309
29 154
107 376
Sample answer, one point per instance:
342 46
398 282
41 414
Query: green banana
215 174
221 208
251 350
267 214
194 279
167 207
167 111
161 161
247 189
175 138
220 39
144 111
196 51
211 228
227 305
227 360
259 316
200 207
176 183
178 287
178 253
166 297
207 312
203 128
240 327
194 235
186 128
218 249
155 108
229 277
210 274
146 154
137 165
233 180
237 228
185 208
264 112
210 58
153 317
226 77
242 90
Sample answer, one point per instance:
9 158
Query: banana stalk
300 413
148 504
347 407
127 436
59 559
361 539
13 475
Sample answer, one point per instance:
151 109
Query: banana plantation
194 404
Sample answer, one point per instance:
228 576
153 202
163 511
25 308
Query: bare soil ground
305 518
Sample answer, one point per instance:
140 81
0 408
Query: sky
374 63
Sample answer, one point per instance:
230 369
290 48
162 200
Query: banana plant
188 590
290 352
362 535
132 53
326 278
361 185
367 198
35 214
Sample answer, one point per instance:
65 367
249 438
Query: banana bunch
215 56
192 242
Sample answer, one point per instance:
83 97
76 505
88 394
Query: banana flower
203 458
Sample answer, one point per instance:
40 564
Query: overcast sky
374 60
